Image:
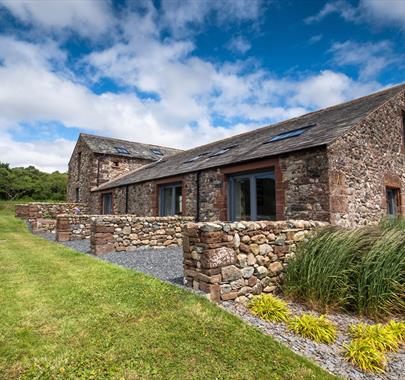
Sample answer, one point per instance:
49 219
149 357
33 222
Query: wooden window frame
173 186
251 175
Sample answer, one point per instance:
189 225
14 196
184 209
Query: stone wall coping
255 225
49 203
135 218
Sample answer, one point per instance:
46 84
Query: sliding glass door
252 196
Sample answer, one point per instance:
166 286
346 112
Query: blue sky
181 73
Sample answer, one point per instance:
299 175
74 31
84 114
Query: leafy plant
370 342
269 307
319 329
383 337
360 270
365 355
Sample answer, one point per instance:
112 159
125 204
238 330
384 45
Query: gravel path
326 356
163 263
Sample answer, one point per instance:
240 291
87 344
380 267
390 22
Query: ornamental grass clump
362 353
318 329
383 337
360 270
371 342
269 308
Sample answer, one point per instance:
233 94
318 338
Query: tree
17 183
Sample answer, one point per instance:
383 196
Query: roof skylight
222 151
156 151
289 134
121 150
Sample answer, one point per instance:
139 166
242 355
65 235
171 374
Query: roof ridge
293 118
128 141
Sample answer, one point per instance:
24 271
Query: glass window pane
392 201
178 200
107 203
167 208
266 198
242 199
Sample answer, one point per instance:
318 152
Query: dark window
107 203
121 150
79 164
116 164
393 201
171 200
253 196
77 195
289 134
156 151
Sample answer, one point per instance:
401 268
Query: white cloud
239 44
370 57
87 17
340 7
48 156
192 101
382 12
182 16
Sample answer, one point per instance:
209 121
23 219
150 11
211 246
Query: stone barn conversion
344 164
96 160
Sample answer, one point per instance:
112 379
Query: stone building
344 164
96 160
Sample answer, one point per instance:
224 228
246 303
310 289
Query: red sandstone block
62 236
229 296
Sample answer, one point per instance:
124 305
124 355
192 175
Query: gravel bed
78 245
163 263
326 356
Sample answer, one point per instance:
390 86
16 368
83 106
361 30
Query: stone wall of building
234 261
128 232
73 227
95 169
42 216
363 162
306 185
302 188
81 173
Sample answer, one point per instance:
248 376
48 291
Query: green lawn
64 315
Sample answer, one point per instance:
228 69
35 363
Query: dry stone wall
42 216
234 261
73 227
128 232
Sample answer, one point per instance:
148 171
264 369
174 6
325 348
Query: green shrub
319 329
269 307
361 270
365 355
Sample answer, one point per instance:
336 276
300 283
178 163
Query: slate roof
325 126
107 145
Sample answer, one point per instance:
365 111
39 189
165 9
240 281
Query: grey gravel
163 263
326 356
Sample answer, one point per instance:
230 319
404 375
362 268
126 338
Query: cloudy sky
180 73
